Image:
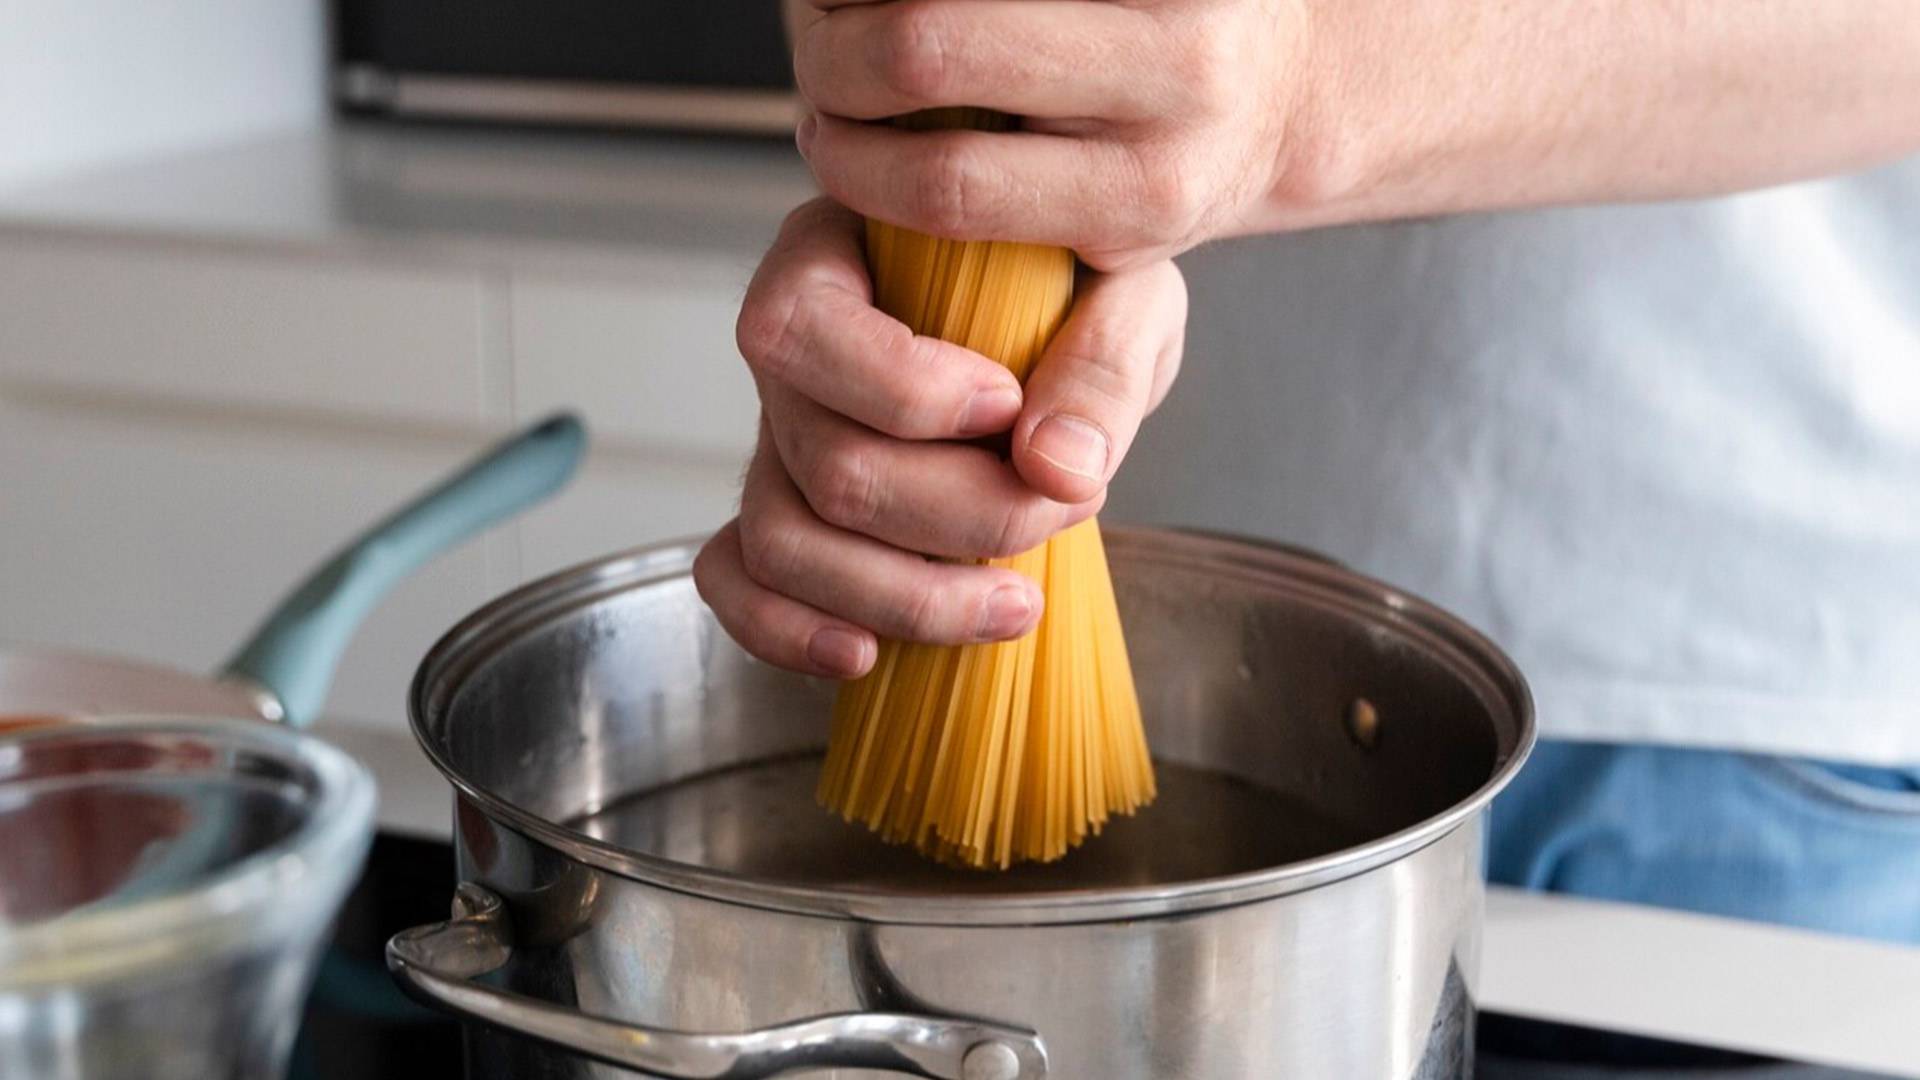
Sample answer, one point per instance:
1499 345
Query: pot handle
438 965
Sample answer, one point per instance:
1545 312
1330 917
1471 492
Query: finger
1032 58
1166 371
775 628
808 322
898 594
936 498
1098 378
1083 193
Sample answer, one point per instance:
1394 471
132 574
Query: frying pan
282 672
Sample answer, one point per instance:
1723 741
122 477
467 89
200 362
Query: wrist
1326 152
1406 108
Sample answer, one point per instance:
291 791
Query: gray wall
85 82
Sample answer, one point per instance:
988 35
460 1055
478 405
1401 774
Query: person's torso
1667 455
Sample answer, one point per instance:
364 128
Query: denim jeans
1822 846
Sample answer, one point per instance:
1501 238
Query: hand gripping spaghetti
987 755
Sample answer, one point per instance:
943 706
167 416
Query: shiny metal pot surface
645 869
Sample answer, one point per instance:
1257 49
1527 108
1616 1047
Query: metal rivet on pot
990 1061
1363 723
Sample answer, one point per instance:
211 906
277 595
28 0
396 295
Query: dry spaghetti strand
988 755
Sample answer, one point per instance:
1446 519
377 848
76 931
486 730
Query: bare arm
1434 106
1177 120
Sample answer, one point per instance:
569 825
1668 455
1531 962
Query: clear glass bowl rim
278 892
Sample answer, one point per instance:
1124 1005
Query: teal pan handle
294 653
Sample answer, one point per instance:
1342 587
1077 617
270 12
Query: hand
1150 125
861 472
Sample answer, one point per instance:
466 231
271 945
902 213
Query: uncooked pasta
987 755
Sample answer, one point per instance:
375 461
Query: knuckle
1166 184
922 612
809 218
1210 70
806 46
757 618
1021 529
1112 260
915 398
844 487
709 565
797 218
768 551
703 572
913 53
804 220
1110 363
1172 195
769 332
896 358
949 186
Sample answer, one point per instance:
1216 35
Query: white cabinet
648 357
216 367
233 328
186 429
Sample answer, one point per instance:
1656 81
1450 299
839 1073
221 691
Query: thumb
1099 377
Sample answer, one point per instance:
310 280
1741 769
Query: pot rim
473 641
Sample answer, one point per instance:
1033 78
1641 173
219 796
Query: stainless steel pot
645 870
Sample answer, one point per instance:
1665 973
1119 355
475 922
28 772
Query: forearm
1419 107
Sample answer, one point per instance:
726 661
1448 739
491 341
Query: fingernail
1008 609
990 411
840 652
1073 445
803 134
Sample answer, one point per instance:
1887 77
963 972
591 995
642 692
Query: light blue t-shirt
1667 455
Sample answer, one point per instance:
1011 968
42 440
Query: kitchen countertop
1620 967
446 194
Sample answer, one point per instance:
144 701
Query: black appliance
701 65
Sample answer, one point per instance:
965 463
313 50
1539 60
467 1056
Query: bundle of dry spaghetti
986 755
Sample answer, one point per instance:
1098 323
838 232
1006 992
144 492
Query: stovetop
357 1024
